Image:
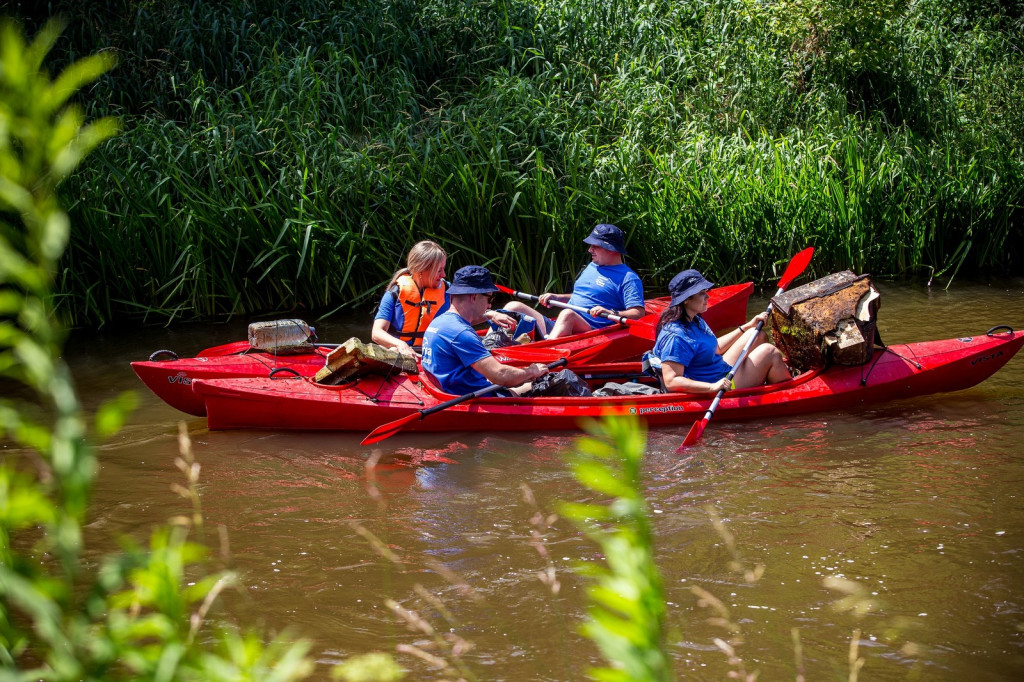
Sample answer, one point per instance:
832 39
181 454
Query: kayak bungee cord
395 369
885 349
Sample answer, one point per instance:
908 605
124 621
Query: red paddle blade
642 330
694 435
797 265
505 290
385 431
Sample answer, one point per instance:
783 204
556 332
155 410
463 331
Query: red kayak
899 371
170 378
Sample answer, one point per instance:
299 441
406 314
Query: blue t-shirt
450 347
615 287
391 310
694 346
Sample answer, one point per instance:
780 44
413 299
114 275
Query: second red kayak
170 377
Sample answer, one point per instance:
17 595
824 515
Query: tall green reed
289 166
626 597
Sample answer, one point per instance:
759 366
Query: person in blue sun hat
454 354
452 350
693 360
607 286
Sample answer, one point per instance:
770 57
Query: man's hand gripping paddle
636 327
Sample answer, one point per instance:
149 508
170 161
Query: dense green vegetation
143 613
284 155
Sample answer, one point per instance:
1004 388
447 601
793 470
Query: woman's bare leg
568 322
763 365
732 353
542 322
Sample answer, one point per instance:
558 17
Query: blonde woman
416 295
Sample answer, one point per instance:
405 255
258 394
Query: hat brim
458 291
694 289
597 241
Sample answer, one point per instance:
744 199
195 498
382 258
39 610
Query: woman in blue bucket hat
605 287
693 360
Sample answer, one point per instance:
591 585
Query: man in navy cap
454 353
605 287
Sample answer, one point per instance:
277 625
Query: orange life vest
418 308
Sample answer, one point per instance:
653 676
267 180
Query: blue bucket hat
607 237
472 279
686 284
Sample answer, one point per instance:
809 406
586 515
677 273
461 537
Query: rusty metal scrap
829 320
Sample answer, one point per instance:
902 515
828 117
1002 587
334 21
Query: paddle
638 327
796 266
391 428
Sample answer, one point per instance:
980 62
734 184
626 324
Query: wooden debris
354 359
833 317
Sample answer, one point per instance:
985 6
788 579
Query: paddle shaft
796 266
559 304
743 354
387 430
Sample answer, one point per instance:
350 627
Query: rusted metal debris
832 319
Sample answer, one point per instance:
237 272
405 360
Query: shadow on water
917 501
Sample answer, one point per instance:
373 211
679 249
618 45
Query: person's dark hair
673 313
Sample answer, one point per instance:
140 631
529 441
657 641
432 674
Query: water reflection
917 501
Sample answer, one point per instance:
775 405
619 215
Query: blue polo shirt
615 287
694 346
450 347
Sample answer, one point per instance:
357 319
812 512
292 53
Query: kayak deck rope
393 369
885 349
375 398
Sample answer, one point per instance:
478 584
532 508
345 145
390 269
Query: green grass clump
143 613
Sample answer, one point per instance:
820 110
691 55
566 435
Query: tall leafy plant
144 614
627 599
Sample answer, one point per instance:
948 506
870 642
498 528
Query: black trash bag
497 338
627 388
562 383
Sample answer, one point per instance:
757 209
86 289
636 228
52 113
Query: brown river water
918 502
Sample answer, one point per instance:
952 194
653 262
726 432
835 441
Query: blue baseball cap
686 284
607 237
472 279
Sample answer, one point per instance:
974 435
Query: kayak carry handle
155 355
279 370
993 330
